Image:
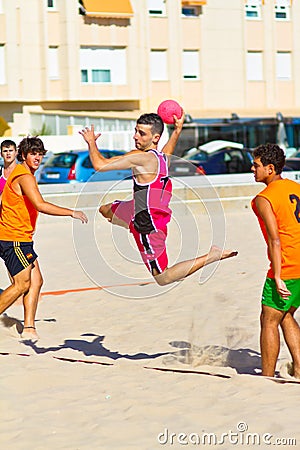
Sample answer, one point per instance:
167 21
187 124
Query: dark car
293 162
182 168
75 166
223 161
210 159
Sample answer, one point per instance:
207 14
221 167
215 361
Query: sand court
88 382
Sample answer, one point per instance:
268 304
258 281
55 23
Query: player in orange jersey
21 203
278 210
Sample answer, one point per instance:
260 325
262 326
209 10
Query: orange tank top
284 197
17 216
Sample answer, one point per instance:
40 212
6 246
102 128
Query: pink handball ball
167 109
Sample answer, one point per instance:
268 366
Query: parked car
182 168
293 161
212 147
75 167
289 151
215 157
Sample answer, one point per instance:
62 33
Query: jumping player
148 214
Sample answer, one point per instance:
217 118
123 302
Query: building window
53 65
191 11
253 9
283 65
157 7
51 4
101 76
103 65
282 10
2 64
190 65
158 65
254 66
84 76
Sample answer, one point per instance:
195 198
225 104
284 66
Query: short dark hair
30 145
157 125
271 154
8 143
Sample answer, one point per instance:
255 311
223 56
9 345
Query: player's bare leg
185 268
108 214
20 285
270 320
30 301
291 332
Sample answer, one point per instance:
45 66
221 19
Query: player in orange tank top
277 208
21 202
9 154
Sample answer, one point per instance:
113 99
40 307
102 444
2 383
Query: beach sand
90 383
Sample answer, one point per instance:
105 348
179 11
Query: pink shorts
152 246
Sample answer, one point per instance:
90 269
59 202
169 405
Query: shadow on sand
243 360
90 348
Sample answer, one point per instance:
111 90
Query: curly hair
30 145
157 125
271 154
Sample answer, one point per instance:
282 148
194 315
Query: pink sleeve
2 184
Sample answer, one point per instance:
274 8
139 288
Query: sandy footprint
13 325
286 370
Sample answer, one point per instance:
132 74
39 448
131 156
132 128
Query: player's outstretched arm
80 216
130 160
29 188
90 138
169 147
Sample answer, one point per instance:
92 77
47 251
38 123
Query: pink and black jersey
2 183
151 200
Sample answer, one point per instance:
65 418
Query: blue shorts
17 255
270 296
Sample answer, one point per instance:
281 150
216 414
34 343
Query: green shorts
270 296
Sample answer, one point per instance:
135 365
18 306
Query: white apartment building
65 60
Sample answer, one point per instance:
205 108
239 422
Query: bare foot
30 334
216 254
229 254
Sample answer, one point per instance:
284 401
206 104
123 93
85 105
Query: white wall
121 140
116 140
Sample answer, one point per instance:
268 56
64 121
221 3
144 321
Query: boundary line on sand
94 288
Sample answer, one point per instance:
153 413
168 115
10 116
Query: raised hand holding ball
169 108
